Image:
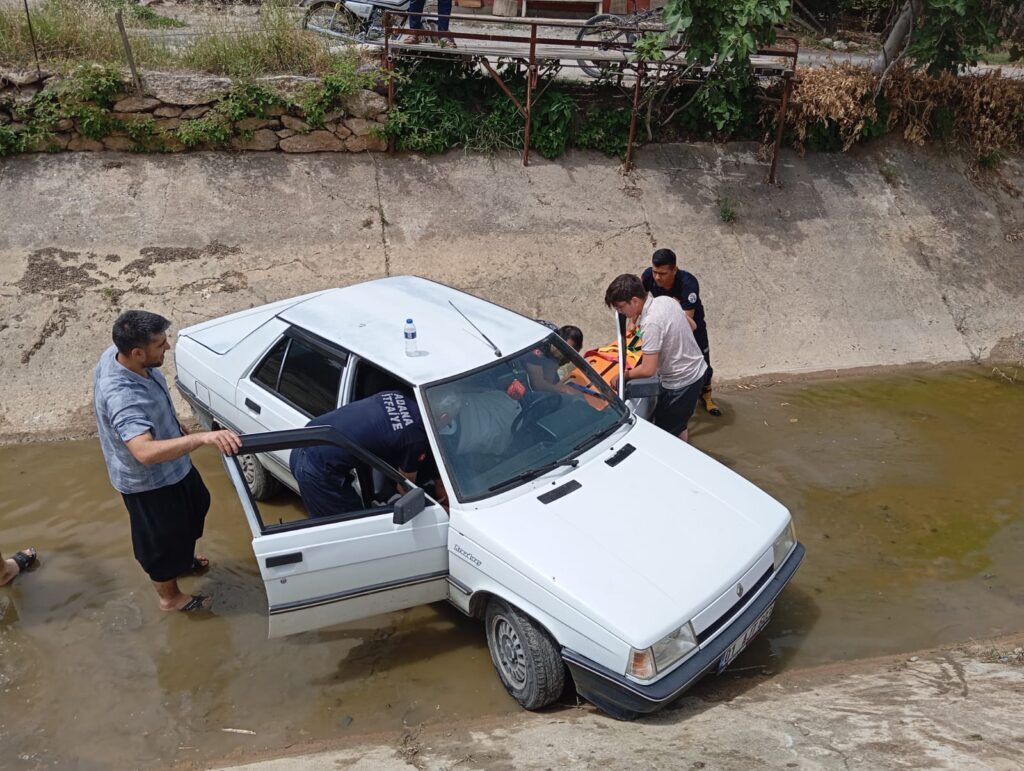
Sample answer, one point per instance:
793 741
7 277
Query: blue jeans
322 496
444 9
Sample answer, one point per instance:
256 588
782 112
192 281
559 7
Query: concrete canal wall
882 257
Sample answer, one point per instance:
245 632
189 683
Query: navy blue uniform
686 290
387 424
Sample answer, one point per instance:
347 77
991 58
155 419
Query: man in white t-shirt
669 347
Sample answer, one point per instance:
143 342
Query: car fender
493 577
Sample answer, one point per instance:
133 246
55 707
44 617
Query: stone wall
172 99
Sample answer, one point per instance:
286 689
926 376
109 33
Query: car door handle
253 406
284 559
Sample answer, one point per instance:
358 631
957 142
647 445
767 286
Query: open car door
326 571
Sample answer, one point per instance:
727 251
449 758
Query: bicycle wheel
334 19
601 29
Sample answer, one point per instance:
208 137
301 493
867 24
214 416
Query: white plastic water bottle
410 338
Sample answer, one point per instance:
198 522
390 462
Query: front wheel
527 660
334 19
603 30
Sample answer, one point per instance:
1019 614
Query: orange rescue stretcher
605 361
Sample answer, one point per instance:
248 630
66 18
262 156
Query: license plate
741 642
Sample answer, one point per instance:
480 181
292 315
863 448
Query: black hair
572 335
623 289
135 329
664 257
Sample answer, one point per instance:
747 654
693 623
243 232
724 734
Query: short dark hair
664 257
623 289
135 329
572 335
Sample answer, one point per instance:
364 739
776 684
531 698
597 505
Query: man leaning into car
388 424
147 454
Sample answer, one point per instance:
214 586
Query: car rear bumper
624 698
199 410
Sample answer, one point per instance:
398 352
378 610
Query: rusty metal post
32 34
640 70
531 81
128 53
781 120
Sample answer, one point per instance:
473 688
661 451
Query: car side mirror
643 387
409 505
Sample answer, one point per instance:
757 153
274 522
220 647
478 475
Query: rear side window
306 376
268 373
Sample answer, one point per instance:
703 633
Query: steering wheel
533 407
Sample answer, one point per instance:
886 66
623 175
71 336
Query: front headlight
645 664
784 545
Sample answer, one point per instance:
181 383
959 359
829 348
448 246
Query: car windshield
519 418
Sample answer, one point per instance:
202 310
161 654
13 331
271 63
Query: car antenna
497 351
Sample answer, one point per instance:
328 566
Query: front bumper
624 698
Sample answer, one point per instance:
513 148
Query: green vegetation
214 129
275 45
88 94
343 79
950 34
605 130
889 173
447 104
441 106
70 32
727 208
143 14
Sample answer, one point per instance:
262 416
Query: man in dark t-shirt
664 278
388 424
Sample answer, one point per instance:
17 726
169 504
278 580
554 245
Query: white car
592 544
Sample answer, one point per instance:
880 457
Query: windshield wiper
536 472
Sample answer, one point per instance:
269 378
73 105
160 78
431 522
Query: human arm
690 319
537 378
149 451
646 369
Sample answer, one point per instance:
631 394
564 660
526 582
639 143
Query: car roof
368 319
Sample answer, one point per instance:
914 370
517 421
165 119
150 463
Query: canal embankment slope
955 708
885 256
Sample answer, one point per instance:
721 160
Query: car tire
527 659
260 482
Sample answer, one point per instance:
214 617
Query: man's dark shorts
166 523
675 408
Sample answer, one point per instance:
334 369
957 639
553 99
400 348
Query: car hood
641 547
222 334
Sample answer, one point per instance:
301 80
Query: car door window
268 373
304 375
373 485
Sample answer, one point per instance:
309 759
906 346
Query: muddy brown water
906 489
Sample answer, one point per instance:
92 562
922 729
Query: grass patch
142 14
889 173
70 32
727 208
275 45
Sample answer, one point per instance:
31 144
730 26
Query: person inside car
545 363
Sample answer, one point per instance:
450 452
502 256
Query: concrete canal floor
905 483
914 529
